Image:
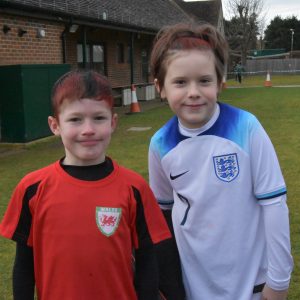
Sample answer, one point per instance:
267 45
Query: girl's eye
205 80
180 82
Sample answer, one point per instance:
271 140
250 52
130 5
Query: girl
215 173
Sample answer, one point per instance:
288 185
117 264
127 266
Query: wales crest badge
107 219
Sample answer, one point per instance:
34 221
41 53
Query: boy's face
191 86
85 127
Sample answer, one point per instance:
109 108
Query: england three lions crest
107 219
226 166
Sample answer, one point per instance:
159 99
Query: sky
272 8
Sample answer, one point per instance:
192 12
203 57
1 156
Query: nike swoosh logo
176 176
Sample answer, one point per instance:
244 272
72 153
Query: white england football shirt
214 183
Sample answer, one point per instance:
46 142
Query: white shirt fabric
227 194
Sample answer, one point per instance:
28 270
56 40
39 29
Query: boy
214 171
77 221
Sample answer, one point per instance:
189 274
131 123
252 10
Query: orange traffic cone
268 82
224 84
134 107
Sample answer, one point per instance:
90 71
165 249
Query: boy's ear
114 122
54 126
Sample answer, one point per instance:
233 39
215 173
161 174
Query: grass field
277 109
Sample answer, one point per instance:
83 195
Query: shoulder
236 125
135 183
166 138
236 115
38 175
171 127
129 176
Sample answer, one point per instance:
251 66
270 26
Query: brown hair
80 84
182 36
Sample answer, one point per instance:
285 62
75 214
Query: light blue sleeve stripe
165 204
274 194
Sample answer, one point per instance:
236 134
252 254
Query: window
98 53
95 57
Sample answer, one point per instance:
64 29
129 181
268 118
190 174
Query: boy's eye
74 119
99 118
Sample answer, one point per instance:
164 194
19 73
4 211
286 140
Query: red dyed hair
181 37
76 85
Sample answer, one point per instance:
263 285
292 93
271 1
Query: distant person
216 176
77 221
238 71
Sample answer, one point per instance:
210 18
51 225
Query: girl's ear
159 89
220 87
54 126
157 85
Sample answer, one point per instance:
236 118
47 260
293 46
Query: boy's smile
85 127
191 86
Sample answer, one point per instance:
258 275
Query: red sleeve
17 220
12 215
150 226
157 224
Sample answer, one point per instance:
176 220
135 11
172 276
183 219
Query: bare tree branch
245 25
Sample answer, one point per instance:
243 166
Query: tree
242 30
279 35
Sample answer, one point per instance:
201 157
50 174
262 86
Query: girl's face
85 127
191 86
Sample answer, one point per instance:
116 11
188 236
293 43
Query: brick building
113 37
39 32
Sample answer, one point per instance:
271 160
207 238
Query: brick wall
29 49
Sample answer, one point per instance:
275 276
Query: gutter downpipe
63 44
131 58
84 62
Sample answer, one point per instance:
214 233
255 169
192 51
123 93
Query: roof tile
142 13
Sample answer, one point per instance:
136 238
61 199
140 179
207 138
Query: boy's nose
88 128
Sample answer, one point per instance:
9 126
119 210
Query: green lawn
277 109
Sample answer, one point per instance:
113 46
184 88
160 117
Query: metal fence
280 66
274 66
